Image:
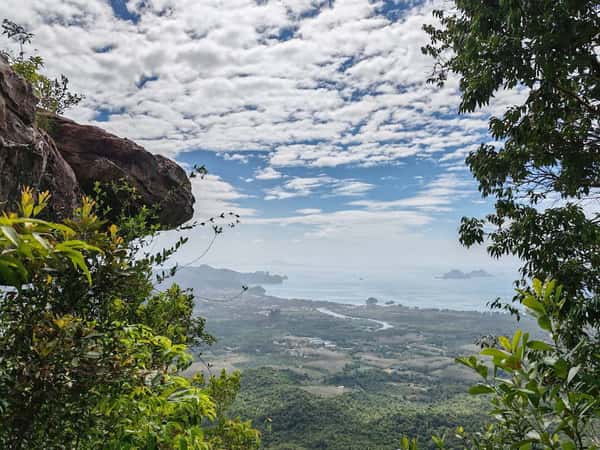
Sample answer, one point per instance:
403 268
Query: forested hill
207 276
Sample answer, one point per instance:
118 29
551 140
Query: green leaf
76 259
405 443
12 272
516 339
534 305
496 353
48 225
572 373
505 342
76 244
537 286
11 235
438 441
540 346
544 323
479 389
43 242
561 368
549 290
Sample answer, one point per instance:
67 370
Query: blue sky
312 116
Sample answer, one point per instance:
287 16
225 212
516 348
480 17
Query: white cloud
347 88
267 173
308 211
236 157
350 224
326 185
351 188
437 196
215 196
297 187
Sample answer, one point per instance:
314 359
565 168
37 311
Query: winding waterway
381 323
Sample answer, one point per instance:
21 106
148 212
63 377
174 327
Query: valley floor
319 375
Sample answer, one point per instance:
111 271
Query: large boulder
96 155
75 157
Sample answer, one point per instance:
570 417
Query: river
381 323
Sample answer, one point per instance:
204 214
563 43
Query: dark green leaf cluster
543 170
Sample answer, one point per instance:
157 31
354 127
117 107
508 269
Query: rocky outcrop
28 156
69 162
96 155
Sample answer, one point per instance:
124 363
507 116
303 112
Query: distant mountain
455 274
207 276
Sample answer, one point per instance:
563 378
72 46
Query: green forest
101 348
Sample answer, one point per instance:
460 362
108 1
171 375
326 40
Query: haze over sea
409 287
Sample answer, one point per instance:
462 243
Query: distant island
207 276
455 274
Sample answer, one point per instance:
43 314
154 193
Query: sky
313 118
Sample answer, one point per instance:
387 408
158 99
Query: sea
420 288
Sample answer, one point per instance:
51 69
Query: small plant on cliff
53 94
90 354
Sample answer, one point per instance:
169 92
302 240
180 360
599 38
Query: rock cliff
70 160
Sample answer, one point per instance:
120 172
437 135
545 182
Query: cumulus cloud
215 196
314 83
325 185
267 173
310 85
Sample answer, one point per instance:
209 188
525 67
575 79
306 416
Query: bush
91 354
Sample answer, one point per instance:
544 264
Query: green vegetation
375 416
91 355
53 94
547 147
311 380
544 395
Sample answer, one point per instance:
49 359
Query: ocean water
415 288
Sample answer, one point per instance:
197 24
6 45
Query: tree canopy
544 168
53 94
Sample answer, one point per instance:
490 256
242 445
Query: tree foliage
543 394
53 94
91 354
543 170
545 164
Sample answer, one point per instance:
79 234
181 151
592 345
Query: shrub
91 354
